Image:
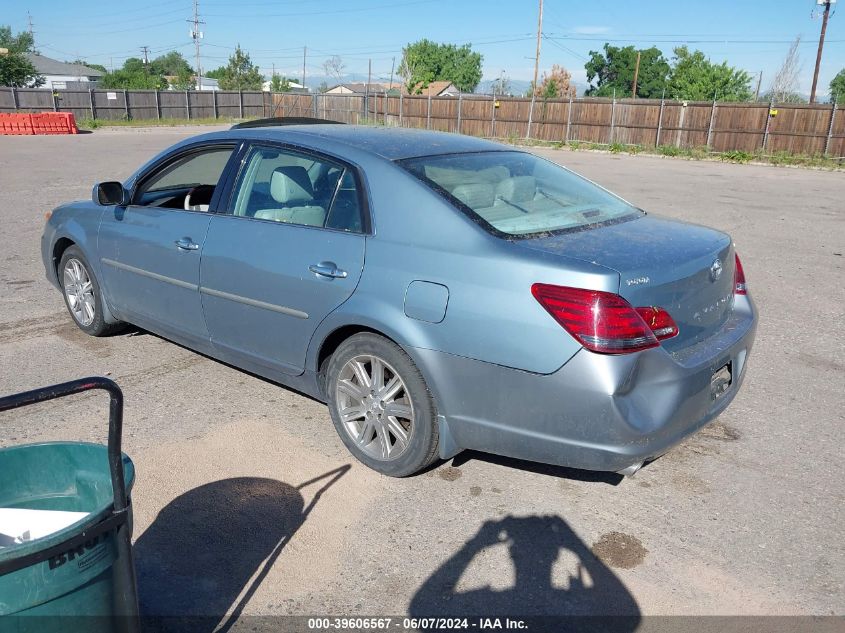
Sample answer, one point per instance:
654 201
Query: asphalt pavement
247 501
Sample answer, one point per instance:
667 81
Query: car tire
81 292
361 397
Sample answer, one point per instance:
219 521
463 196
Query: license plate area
721 381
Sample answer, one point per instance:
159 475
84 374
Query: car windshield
518 193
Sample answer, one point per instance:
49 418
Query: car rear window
520 194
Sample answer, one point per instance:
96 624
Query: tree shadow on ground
208 550
553 574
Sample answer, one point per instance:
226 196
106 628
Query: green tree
15 67
278 83
216 73
184 80
426 61
837 87
82 62
240 73
613 72
171 64
696 78
132 80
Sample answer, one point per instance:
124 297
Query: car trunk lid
686 269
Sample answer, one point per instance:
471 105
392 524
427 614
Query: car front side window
187 182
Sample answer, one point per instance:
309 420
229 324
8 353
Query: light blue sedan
439 292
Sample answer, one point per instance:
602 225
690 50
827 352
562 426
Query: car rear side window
285 186
519 194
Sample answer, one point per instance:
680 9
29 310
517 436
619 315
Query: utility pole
537 54
392 66
196 34
759 83
31 29
146 50
826 15
304 53
636 76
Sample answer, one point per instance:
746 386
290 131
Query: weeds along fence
811 130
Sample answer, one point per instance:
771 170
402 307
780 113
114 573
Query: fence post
712 119
568 119
460 100
158 105
493 119
428 115
768 120
314 102
90 98
55 96
660 120
830 127
612 117
15 97
241 102
401 109
530 116
188 105
126 103
681 123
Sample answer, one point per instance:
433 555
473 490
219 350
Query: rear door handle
186 244
327 269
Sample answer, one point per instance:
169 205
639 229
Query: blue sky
751 35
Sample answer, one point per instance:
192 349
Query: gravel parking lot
246 500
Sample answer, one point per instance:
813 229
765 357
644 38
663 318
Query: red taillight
739 278
659 321
604 322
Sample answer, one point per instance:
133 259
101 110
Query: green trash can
68 564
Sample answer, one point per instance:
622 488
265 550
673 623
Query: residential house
59 75
436 89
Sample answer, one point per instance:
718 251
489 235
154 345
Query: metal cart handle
115 421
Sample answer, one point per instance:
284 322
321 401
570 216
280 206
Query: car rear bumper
597 412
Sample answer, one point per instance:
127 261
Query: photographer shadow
538 546
208 550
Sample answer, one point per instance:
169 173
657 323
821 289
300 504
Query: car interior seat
291 188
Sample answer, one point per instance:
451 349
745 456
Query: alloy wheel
374 407
79 292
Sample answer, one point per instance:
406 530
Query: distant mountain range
518 87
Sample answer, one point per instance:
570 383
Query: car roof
387 142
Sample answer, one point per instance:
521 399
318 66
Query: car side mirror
110 193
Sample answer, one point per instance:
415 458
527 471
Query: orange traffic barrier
38 123
15 123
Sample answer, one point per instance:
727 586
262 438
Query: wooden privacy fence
116 105
794 128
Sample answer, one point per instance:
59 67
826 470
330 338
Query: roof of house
434 89
48 66
361 87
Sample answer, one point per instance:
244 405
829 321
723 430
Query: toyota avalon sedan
439 292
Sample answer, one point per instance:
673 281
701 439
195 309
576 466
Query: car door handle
327 269
187 244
